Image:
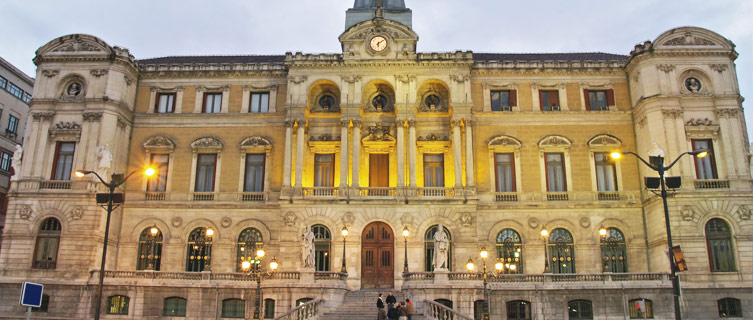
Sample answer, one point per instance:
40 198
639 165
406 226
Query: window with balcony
254 176
519 310
504 164
5 161
212 102
641 309
150 249
48 243
199 255
174 307
598 100
206 164
165 103
249 241
322 246
233 308
729 308
555 172
433 170
705 168
259 102
719 244
118 305
510 251
606 173
561 251
549 100
63 161
158 182
613 251
503 100
429 248
580 310
324 170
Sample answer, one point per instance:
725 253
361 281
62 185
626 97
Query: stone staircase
361 305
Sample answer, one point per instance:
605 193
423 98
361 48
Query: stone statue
105 159
441 248
16 161
307 248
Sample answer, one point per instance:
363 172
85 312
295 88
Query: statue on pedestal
441 248
16 161
105 160
307 248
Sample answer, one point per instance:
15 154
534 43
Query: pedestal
441 276
307 275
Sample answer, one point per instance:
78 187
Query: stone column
288 153
412 152
299 154
457 153
469 177
400 153
356 151
344 154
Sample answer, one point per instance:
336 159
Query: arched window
150 249
174 307
199 255
249 241
429 248
580 310
233 308
519 310
48 241
44 306
322 245
269 308
719 243
561 251
509 250
613 252
641 309
729 308
444 302
478 309
118 305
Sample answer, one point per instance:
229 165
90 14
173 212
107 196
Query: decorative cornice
666 68
98 72
206 143
255 141
44 116
49 73
351 79
159 142
554 141
92 116
727 113
718 67
433 137
298 79
672 113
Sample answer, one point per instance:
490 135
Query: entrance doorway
378 256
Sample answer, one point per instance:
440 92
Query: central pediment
378 39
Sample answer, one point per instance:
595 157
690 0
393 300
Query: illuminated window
705 168
561 251
118 305
249 241
174 307
641 309
613 251
580 310
150 250
158 182
199 255
322 245
510 251
519 310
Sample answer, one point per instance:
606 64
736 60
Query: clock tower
378 29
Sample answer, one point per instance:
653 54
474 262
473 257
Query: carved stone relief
25 212
699 122
75 214
743 213
689 40
688 214
466 219
290 218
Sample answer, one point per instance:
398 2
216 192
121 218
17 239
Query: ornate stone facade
377 140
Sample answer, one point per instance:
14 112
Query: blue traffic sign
31 294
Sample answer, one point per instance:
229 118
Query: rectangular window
27 97
555 172
14 90
324 167
63 162
269 309
503 100
212 102
254 179
549 100
206 164
433 170
705 168
259 102
158 182
165 103
606 174
598 100
504 164
3 82
12 124
5 161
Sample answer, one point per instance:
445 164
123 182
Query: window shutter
556 95
587 99
156 104
513 98
541 99
610 97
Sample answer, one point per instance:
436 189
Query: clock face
378 43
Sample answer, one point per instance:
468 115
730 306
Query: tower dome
364 10
386 4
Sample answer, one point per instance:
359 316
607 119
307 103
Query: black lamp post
406 233
345 235
110 198
253 268
657 164
152 241
545 236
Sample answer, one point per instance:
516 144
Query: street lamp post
344 269
152 240
406 233
545 236
499 266
116 180
657 164
253 268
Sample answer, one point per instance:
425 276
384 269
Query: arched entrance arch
378 256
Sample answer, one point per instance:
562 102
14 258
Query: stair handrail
438 311
309 310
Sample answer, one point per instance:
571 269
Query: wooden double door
378 256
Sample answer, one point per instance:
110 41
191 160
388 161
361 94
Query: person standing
392 312
402 311
391 300
380 308
409 309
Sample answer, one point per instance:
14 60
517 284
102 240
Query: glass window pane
555 173
205 170
254 177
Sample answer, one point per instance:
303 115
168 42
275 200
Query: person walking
409 309
381 314
402 311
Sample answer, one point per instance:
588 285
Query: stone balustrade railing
337 277
308 311
542 277
437 311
